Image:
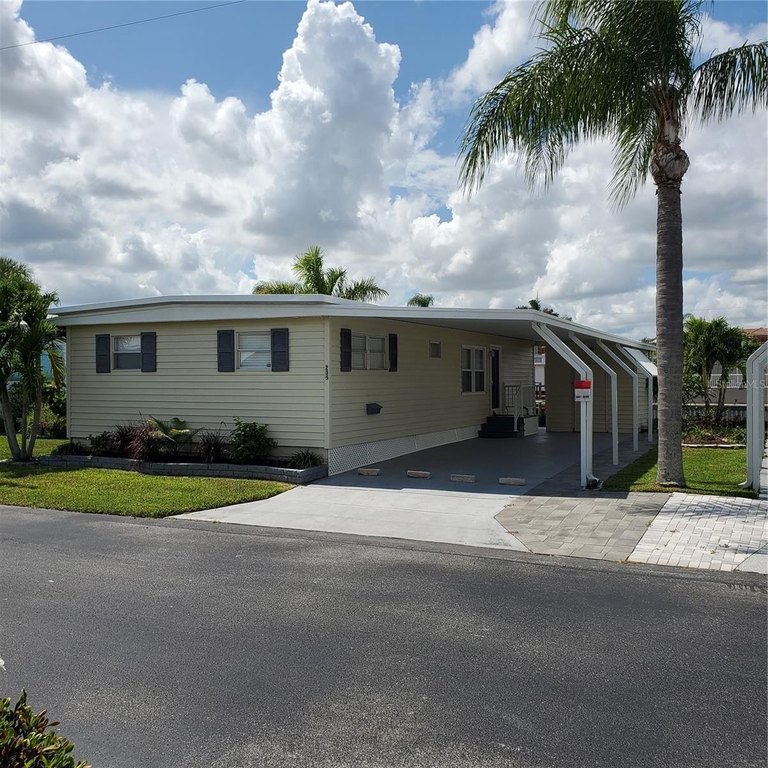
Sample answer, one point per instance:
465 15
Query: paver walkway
716 532
593 527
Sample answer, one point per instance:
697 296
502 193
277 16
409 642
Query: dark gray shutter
103 353
279 345
225 350
346 349
149 352
392 351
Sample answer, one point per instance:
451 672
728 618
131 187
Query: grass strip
713 471
118 492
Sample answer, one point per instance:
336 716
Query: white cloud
497 47
111 194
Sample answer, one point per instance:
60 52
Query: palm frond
308 267
571 92
633 149
421 300
731 82
335 279
362 290
278 286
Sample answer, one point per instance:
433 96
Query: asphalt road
182 645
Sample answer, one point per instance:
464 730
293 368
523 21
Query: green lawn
118 492
43 446
707 470
114 491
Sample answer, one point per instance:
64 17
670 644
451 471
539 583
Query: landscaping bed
708 470
190 469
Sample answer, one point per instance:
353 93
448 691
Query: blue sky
200 153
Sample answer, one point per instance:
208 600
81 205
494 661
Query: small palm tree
315 277
26 334
624 69
421 300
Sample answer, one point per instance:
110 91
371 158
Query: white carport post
585 407
649 378
756 368
628 370
614 393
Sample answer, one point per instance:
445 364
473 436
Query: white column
614 393
649 377
585 407
756 368
635 398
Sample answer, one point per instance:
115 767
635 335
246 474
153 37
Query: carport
597 383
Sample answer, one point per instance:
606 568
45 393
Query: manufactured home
354 382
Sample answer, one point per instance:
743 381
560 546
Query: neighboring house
354 382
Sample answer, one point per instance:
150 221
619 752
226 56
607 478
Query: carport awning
642 361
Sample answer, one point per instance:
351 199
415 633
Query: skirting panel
351 456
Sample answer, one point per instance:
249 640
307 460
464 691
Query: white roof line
300 298
331 306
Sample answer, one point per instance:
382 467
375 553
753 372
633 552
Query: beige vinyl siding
188 385
561 413
424 395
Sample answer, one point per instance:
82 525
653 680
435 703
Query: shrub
51 424
104 444
212 447
305 459
71 449
144 443
25 738
250 443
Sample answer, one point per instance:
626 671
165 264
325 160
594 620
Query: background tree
538 306
624 69
315 277
26 334
707 345
421 300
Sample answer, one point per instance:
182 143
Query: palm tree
421 300
623 69
315 277
707 344
26 334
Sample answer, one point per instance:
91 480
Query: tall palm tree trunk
9 422
668 168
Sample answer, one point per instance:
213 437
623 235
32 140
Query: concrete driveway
435 509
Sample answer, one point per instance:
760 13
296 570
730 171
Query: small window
735 380
472 369
435 349
254 352
368 352
127 353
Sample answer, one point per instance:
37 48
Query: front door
495 379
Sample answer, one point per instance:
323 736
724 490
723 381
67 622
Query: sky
201 153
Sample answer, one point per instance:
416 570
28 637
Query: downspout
756 367
635 398
614 393
649 376
585 407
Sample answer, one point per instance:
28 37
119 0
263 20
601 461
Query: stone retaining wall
242 471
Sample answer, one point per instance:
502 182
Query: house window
126 353
735 380
472 369
435 349
714 380
368 352
254 351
